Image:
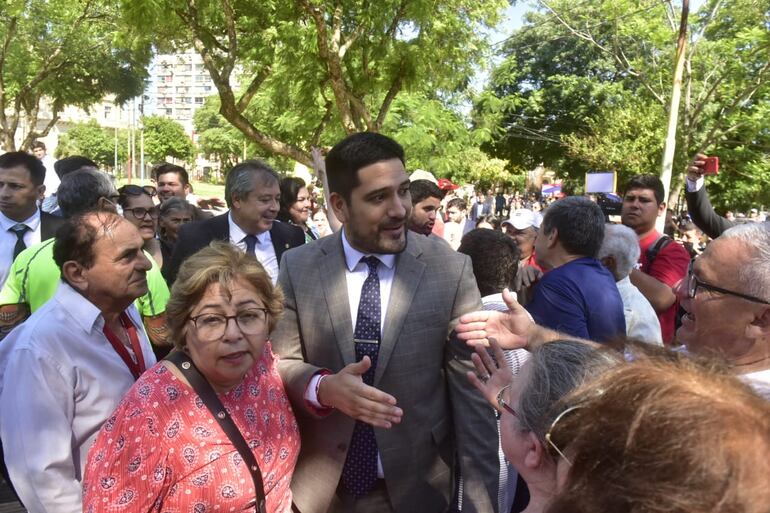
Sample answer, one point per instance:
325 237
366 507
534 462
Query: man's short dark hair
651 182
26 160
67 165
355 152
38 145
458 203
240 179
495 259
580 223
165 168
75 239
423 189
80 191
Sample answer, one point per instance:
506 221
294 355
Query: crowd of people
391 346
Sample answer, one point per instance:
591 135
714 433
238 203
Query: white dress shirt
264 250
8 240
641 320
52 180
355 274
60 380
694 185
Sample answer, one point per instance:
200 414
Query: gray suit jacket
445 420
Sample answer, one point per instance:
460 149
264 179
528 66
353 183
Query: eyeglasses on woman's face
501 401
212 326
141 212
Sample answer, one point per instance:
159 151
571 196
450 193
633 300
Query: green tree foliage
438 138
217 139
312 71
92 141
164 137
587 85
56 53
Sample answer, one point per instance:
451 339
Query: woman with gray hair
529 402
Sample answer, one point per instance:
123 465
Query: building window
198 100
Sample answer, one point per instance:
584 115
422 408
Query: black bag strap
652 252
214 405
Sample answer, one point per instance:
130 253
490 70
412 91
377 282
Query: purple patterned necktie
360 472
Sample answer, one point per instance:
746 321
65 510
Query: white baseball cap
524 218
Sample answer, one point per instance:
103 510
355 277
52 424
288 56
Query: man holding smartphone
698 204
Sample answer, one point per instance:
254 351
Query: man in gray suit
369 358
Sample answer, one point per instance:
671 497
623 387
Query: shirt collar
84 313
32 221
353 256
237 234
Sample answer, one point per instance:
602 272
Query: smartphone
712 166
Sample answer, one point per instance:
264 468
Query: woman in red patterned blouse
162 449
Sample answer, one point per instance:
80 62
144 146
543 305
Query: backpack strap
652 252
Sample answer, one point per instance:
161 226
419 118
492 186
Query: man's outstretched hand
511 329
347 392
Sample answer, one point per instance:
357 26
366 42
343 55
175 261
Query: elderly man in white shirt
65 370
619 253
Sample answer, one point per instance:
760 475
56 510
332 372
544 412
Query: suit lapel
409 270
335 289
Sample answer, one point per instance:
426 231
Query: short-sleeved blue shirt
579 298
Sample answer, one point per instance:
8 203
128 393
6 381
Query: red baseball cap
446 184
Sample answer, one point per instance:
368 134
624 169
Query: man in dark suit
253 196
21 221
698 203
369 359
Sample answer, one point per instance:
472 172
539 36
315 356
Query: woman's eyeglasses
137 190
502 402
212 326
141 212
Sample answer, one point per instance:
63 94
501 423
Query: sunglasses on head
137 190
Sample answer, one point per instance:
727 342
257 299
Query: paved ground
8 502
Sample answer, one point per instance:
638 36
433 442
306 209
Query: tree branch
9 35
316 137
229 108
328 51
395 88
251 90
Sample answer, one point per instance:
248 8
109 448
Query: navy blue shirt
579 298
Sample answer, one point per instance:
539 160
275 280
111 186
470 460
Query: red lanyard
136 367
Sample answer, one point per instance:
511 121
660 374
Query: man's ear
75 274
609 263
662 209
41 192
339 206
187 189
759 328
552 238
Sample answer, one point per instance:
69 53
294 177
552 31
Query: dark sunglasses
137 190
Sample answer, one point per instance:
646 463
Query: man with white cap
522 227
